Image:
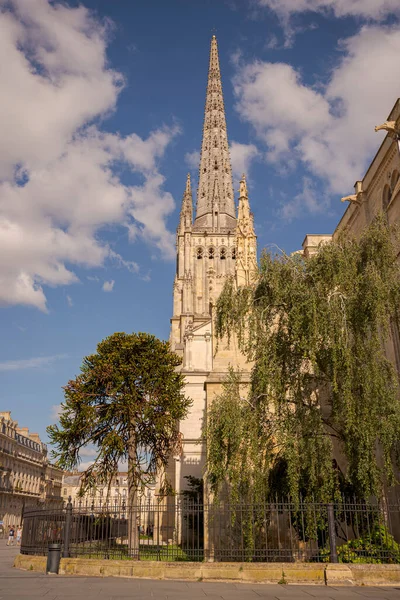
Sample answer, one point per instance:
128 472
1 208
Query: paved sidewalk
25 585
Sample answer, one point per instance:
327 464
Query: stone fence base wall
285 573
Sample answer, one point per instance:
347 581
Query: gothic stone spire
246 240
185 221
215 213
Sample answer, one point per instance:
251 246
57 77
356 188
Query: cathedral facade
214 242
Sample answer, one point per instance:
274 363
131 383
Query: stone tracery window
199 253
233 253
222 254
211 253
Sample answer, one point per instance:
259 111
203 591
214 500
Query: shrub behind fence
175 529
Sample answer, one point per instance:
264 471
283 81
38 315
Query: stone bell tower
216 244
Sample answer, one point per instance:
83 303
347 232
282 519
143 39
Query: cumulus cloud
309 199
368 9
329 130
242 156
38 362
88 451
108 286
55 412
59 185
85 465
192 160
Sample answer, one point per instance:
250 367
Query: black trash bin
53 558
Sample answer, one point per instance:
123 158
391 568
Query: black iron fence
181 530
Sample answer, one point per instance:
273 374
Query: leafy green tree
322 386
126 402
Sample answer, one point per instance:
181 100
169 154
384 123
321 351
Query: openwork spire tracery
215 192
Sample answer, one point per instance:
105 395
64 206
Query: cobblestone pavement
25 585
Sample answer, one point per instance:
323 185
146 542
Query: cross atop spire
215 192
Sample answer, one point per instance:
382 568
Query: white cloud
108 286
310 199
70 301
329 130
242 156
38 362
85 465
88 451
368 9
192 159
55 412
58 184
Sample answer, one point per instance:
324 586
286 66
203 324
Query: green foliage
377 546
282 580
240 447
126 402
316 330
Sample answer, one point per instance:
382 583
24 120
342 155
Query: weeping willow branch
316 331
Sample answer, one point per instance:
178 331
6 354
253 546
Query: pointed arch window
200 253
386 196
233 253
222 254
211 253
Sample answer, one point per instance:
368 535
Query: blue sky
101 117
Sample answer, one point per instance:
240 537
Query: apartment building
26 476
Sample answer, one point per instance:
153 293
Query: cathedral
215 242
218 241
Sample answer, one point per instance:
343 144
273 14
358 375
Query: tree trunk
133 510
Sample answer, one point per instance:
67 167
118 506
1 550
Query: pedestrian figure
11 536
19 535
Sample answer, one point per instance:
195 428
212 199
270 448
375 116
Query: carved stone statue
391 127
353 199
189 328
